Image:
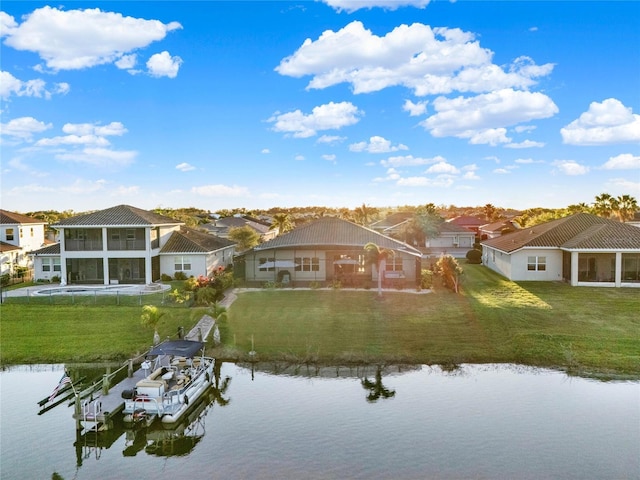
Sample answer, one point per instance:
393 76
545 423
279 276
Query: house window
20 229
56 264
46 265
115 235
307 264
394 264
538 264
181 263
262 264
9 234
131 234
32 231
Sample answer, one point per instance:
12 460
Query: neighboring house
452 239
469 222
124 244
221 226
326 250
582 249
19 235
497 229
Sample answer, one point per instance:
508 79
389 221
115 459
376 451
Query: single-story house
124 244
329 250
469 222
452 239
582 249
497 229
221 226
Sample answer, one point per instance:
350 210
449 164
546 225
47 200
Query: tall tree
282 223
364 214
605 205
245 237
627 206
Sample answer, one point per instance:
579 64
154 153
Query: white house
19 235
582 249
124 244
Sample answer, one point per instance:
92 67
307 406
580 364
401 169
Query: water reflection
313 422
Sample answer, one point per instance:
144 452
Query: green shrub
426 278
180 276
474 256
165 278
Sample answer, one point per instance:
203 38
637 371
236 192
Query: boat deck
98 412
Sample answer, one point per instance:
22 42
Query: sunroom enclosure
611 269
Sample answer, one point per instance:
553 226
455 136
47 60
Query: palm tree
377 256
282 223
364 214
376 389
627 206
150 318
604 205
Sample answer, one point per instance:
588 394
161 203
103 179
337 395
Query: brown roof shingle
121 215
579 231
9 218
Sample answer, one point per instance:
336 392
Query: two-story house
124 244
19 235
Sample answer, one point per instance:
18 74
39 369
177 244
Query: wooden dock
100 403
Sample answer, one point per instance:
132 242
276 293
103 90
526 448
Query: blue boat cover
178 348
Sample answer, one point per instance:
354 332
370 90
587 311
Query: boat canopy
178 348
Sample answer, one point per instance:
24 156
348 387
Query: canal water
272 422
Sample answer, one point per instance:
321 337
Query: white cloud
489 136
77 39
624 161
376 144
164 65
329 158
353 5
23 128
415 109
299 158
185 167
73 140
126 62
443 167
113 128
265 151
410 161
330 139
482 118
501 171
220 190
324 117
10 85
624 185
425 60
606 123
525 144
122 191
527 161
99 157
570 167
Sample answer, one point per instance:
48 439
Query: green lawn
494 320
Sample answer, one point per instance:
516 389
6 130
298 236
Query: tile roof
579 231
12 218
448 227
7 247
120 215
392 220
53 249
189 240
467 220
332 231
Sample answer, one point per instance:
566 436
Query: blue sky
330 103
